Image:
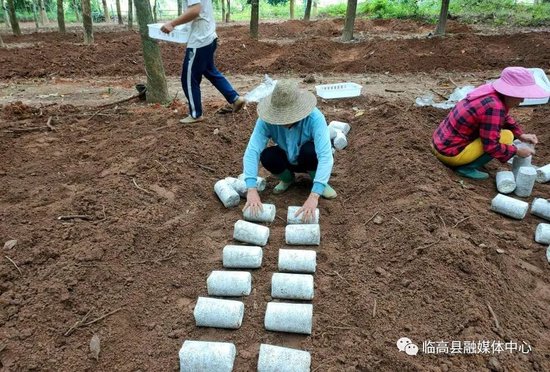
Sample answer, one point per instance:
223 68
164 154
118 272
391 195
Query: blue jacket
312 128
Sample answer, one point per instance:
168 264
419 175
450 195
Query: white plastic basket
179 35
542 81
339 90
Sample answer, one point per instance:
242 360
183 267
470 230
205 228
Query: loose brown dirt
283 47
429 267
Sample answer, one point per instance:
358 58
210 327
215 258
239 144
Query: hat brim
529 91
301 108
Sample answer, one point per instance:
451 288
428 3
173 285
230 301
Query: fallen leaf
359 113
10 244
95 347
500 250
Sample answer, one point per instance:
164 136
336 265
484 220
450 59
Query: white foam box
542 81
179 35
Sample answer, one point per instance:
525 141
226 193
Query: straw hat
287 104
518 82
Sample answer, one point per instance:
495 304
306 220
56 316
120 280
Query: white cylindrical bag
509 206
216 313
542 234
286 317
525 181
297 261
242 257
541 208
341 126
252 233
543 174
292 286
308 234
519 162
229 283
228 196
266 215
340 141
282 359
207 356
291 219
506 182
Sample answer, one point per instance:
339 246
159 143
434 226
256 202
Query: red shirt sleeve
492 122
510 123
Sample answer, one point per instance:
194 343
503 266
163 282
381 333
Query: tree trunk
155 5
76 12
314 8
6 15
292 5
307 14
223 10
87 21
130 15
118 12
43 15
351 11
106 11
442 18
254 19
13 18
180 7
157 90
35 14
2 45
228 14
60 16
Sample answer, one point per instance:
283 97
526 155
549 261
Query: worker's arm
192 12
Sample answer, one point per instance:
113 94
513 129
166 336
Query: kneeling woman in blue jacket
289 117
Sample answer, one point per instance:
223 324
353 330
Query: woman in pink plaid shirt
479 127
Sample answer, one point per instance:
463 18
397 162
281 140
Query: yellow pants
473 151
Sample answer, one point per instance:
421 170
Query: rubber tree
60 16
35 14
155 11
75 8
180 7
157 90
130 15
6 15
118 12
254 18
106 11
2 45
292 4
223 10
349 23
13 18
307 14
43 14
228 13
442 23
87 22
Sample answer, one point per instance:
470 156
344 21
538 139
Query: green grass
493 12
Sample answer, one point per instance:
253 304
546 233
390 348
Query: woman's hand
167 27
530 138
308 209
253 202
524 152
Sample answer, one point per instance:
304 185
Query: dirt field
429 269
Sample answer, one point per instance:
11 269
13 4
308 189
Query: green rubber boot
329 192
287 179
470 170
